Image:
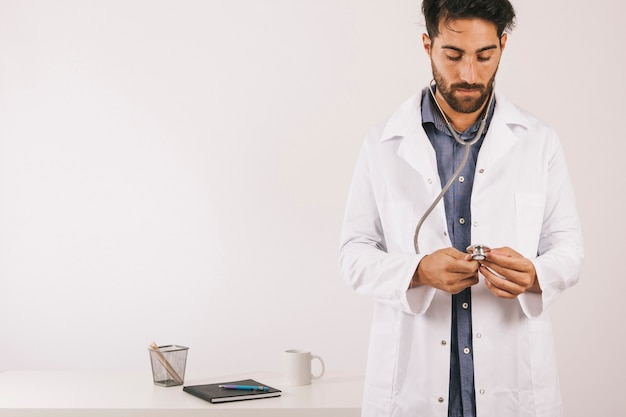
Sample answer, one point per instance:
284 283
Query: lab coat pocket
529 211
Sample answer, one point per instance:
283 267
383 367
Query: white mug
297 367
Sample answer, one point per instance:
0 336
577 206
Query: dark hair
499 12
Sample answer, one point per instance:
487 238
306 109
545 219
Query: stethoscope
478 251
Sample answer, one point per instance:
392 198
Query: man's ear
503 39
427 42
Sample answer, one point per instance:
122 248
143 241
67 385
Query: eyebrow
454 48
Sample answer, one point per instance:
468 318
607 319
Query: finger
456 254
497 291
522 276
505 251
504 273
506 266
459 262
501 283
456 279
466 283
507 258
505 261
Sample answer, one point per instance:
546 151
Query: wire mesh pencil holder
168 364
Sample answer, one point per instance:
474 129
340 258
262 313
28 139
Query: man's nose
467 70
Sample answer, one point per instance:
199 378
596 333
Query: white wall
176 171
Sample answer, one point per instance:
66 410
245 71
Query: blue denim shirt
457 200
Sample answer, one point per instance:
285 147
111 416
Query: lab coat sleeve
365 263
560 249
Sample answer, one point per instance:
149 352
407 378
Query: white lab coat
522 198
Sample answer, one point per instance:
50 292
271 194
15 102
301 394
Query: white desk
116 393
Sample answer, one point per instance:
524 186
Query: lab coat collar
408 116
500 136
406 124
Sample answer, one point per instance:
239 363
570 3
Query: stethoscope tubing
456 173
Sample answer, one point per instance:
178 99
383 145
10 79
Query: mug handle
321 374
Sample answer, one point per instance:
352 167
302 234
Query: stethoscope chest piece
478 252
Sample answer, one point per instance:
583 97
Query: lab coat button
482 171
466 351
479 335
443 343
482 391
441 399
430 181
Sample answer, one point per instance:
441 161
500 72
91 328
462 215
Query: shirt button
465 306
466 351
462 220
461 179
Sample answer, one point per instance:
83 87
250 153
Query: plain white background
176 171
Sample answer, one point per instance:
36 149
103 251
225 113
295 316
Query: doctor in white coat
522 206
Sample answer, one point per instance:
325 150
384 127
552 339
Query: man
453 336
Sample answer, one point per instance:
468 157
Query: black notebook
215 394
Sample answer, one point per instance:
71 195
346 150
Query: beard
463 104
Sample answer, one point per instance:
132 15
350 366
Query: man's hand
448 270
508 274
